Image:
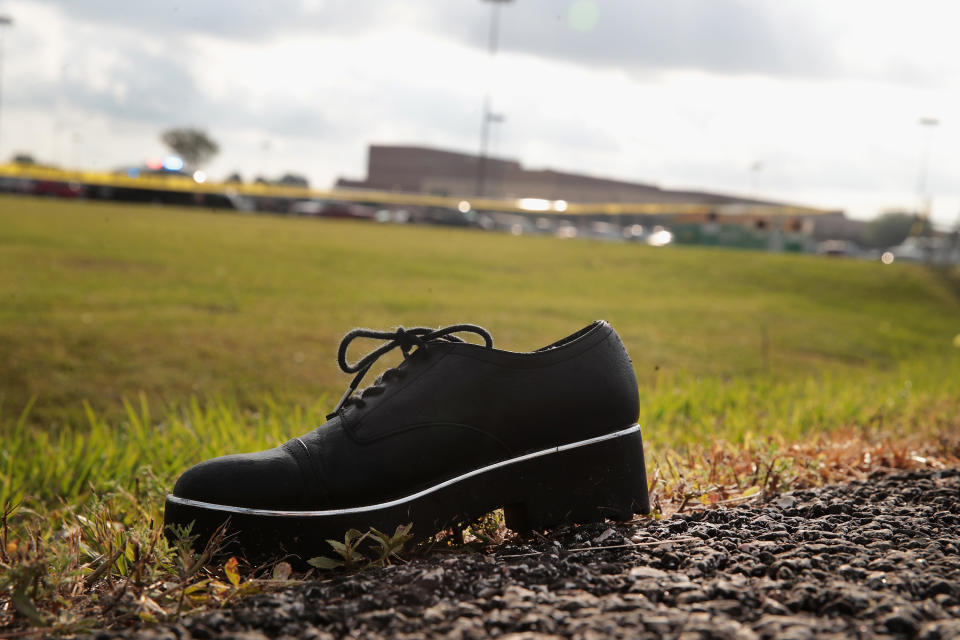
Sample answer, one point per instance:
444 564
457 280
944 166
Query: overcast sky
823 96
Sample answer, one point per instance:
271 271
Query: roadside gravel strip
879 558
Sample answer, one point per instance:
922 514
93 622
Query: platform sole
586 481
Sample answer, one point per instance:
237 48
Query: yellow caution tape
155 182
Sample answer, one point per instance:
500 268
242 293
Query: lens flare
534 204
173 163
583 15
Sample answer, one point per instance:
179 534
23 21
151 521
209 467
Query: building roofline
696 195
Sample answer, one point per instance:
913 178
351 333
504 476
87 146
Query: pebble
647 572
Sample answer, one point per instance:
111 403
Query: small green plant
24 583
489 528
389 547
380 552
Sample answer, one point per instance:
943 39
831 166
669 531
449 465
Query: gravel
879 558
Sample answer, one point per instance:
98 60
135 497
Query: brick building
412 169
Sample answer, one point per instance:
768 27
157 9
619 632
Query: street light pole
5 21
755 169
924 200
488 116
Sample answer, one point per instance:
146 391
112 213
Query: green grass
135 341
43 467
100 302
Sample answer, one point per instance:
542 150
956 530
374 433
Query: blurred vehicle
656 236
444 217
511 223
659 237
544 225
53 189
239 201
16 185
566 229
327 209
308 207
347 210
147 171
598 230
388 216
837 248
938 249
635 233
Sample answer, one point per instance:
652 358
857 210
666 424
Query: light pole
924 200
755 169
265 146
488 116
5 21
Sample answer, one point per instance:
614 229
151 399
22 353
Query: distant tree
261 180
23 158
235 177
892 228
294 180
193 145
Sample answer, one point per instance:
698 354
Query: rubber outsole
580 482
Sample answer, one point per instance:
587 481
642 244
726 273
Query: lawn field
100 302
136 340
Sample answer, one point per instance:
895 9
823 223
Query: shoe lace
406 339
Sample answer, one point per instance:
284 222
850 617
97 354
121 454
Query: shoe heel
589 483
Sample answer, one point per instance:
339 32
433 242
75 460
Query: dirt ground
879 558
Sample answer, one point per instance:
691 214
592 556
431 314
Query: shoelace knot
407 340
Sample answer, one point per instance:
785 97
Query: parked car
54 189
938 249
837 248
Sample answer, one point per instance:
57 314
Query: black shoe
456 430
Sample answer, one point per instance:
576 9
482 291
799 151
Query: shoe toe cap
265 480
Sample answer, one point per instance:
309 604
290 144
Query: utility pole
755 169
488 115
265 147
924 199
5 21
